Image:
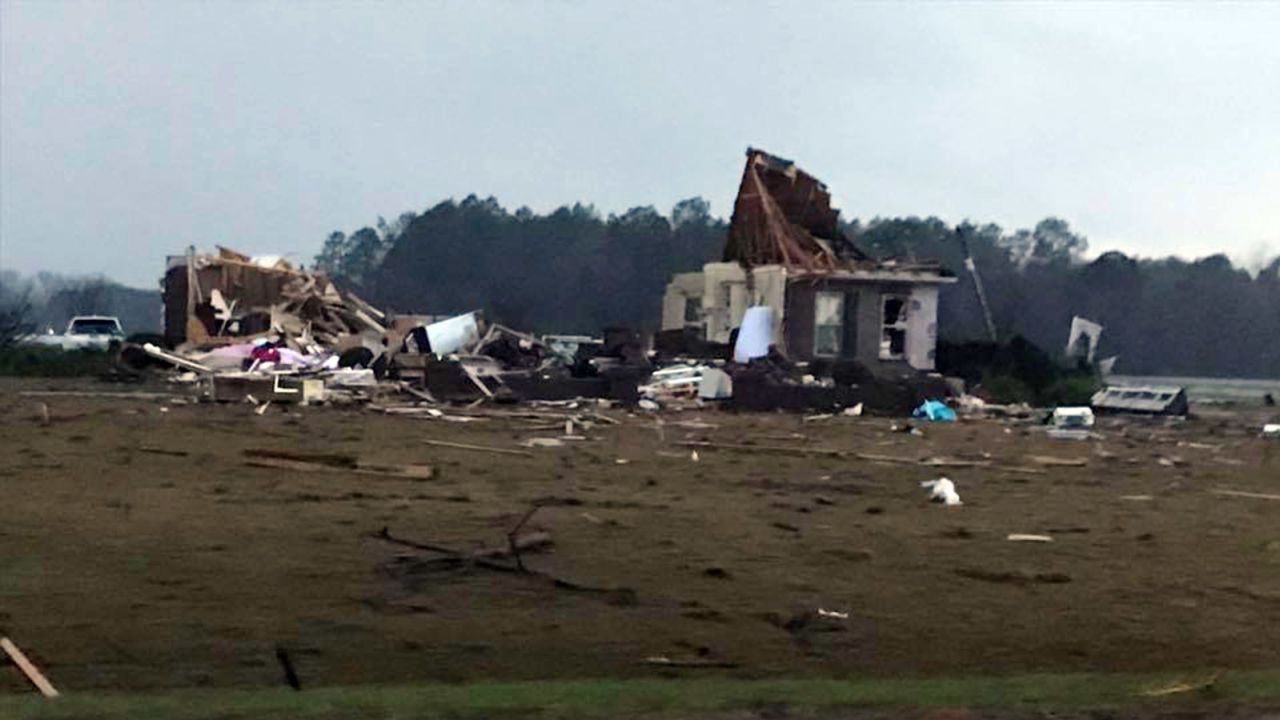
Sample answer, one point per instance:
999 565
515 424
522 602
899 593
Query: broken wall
683 290
861 336
729 290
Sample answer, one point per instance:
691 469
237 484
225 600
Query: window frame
818 350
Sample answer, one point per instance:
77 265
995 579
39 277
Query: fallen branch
511 536
485 560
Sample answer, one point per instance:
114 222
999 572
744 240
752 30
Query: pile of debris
259 329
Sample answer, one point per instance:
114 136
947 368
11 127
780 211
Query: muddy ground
139 551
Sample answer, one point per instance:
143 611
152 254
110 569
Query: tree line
574 270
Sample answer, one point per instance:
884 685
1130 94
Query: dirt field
126 568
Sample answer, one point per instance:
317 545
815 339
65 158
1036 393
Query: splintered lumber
326 462
477 448
762 448
420 394
177 360
1242 493
471 374
28 668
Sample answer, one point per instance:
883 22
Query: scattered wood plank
665 661
1020 470
327 462
1023 537
1242 493
1182 687
28 668
1052 461
477 448
471 373
954 462
891 459
87 394
420 394
177 360
830 452
162 451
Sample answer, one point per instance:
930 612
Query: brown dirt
126 569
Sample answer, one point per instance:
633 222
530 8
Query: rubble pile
259 329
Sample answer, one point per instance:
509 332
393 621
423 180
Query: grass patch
653 698
36 361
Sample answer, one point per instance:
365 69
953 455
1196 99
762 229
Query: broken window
828 323
893 338
692 309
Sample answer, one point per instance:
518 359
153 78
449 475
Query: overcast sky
129 130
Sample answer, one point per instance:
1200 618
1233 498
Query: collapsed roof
783 216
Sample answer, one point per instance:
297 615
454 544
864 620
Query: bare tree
15 318
84 297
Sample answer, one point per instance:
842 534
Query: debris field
152 543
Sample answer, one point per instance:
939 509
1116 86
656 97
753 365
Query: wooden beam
28 668
477 448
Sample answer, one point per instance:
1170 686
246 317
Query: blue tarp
934 410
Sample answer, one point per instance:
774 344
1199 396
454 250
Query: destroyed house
218 297
828 299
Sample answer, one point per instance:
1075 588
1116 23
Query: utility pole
972 267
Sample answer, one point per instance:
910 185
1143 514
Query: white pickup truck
84 332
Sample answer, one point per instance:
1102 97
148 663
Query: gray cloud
129 130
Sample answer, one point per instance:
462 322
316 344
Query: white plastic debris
1073 417
833 614
854 411
694 456
755 334
942 491
1271 430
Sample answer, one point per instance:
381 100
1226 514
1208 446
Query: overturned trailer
1142 399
